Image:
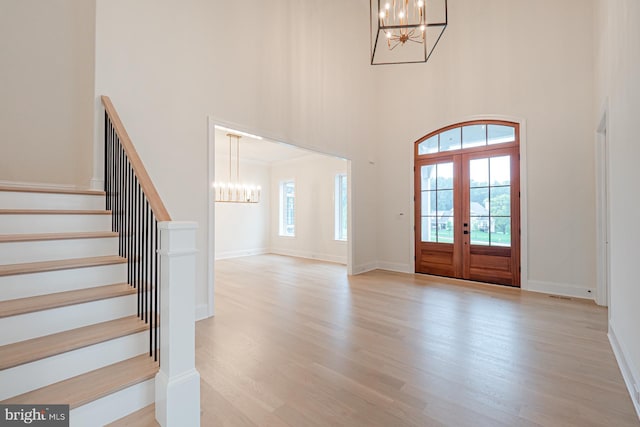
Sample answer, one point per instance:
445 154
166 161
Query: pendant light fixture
406 31
233 190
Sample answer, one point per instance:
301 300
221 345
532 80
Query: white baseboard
22 184
202 311
364 268
340 259
395 266
241 253
558 289
629 372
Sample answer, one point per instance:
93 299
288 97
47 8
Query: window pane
340 198
501 134
428 146
428 177
480 227
501 231
474 136
479 202
287 208
429 233
450 140
479 173
500 202
501 170
429 203
445 202
445 176
445 229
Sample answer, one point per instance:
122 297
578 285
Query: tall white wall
293 71
314 176
46 90
529 61
617 50
243 229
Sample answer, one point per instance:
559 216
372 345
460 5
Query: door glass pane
500 202
450 140
501 134
445 202
501 231
445 176
479 173
428 146
428 177
429 203
500 170
445 229
480 227
479 202
429 232
474 136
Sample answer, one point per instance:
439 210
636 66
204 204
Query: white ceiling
259 150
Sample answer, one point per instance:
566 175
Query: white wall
46 90
617 50
242 229
305 80
314 176
525 60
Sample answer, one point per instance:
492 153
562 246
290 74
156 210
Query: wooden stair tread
85 388
65 264
54 212
18 306
22 352
36 189
9 238
145 417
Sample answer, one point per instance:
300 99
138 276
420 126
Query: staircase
69 330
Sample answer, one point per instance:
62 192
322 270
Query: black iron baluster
145 248
156 285
138 232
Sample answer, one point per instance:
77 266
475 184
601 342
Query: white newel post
178 381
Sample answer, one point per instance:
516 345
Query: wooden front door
467 193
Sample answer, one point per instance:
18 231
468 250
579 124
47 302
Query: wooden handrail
155 202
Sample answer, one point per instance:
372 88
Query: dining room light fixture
406 31
233 190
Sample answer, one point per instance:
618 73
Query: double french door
468 203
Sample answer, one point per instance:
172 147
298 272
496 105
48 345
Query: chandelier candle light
233 191
406 31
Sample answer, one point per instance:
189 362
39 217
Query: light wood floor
298 343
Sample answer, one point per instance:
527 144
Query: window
468 136
341 207
288 208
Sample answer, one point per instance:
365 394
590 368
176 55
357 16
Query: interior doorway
467 201
299 204
602 212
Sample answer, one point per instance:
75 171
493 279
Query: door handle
466 225
466 232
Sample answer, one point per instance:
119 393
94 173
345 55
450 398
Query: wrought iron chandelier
233 191
406 31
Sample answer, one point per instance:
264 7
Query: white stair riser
28 285
50 250
24 200
34 375
114 406
53 223
47 322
